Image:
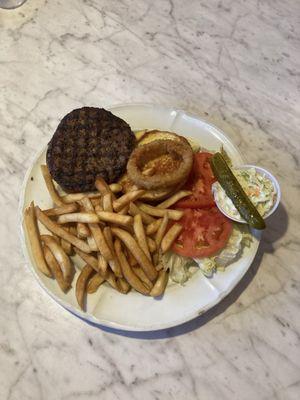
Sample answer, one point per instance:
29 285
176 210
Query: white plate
135 312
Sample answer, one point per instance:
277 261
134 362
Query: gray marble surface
237 64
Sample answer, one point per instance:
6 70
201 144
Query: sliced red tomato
199 182
205 232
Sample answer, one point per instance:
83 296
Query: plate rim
104 322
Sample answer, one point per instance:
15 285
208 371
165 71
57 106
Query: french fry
116 283
89 259
143 277
96 201
151 245
131 259
72 197
124 210
67 247
153 227
73 230
155 258
127 198
123 285
126 235
114 218
140 256
102 186
65 209
115 187
111 279
94 283
159 267
59 231
34 240
129 275
99 265
107 202
140 235
114 264
50 186
83 230
83 217
97 232
98 207
173 199
102 265
170 237
108 237
133 188
60 256
92 244
161 283
57 238
81 284
160 212
134 210
56 270
161 231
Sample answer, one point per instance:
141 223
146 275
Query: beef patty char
89 142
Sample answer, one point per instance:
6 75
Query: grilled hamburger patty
89 142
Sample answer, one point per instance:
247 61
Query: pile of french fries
119 237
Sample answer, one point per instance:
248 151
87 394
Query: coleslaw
258 188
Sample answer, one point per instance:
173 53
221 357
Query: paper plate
133 311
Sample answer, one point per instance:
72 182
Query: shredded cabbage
182 268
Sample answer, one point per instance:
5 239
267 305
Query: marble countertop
237 64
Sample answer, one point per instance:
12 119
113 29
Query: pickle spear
235 192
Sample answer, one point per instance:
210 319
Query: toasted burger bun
150 136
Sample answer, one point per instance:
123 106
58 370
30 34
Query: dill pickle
235 192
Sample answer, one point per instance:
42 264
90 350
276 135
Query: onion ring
170 173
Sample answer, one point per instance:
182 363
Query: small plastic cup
11 4
260 171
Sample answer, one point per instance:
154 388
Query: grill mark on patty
89 142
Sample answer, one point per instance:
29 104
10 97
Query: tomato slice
199 182
205 232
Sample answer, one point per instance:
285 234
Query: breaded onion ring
167 174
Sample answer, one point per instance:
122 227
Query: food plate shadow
276 227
